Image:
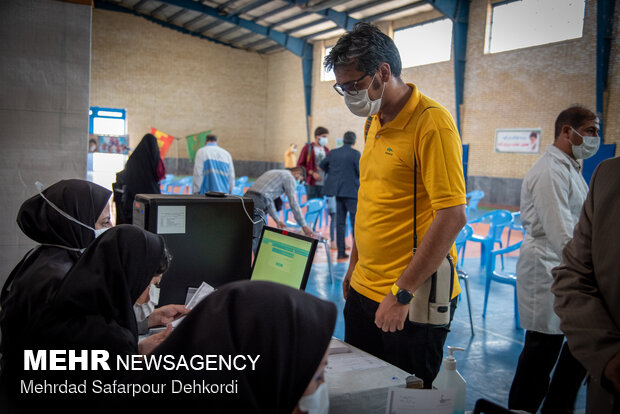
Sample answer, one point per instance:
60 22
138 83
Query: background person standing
343 181
552 194
310 157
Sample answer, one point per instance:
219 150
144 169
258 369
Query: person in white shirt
552 194
213 169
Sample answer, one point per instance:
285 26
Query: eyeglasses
348 87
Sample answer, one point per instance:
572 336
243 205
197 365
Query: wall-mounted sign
111 144
520 140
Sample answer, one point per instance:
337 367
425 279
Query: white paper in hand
203 291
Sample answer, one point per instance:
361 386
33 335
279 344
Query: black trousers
344 205
531 382
416 349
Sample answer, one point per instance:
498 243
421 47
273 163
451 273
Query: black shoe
343 256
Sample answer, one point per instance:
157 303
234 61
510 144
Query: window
107 121
425 43
102 165
327 76
525 23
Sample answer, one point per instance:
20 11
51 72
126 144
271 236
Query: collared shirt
271 185
213 170
384 220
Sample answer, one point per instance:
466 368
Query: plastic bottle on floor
449 378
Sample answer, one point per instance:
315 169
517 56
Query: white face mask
97 232
144 310
323 141
588 147
317 402
361 105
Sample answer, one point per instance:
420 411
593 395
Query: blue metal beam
293 44
604 36
106 5
458 12
341 19
307 61
447 7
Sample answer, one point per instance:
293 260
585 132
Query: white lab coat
552 194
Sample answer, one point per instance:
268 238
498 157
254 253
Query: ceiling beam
393 11
305 26
274 12
250 7
269 49
194 20
242 37
227 31
139 4
293 44
340 18
256 43
322 32
177 14
365 6
158 9
108 5
209 26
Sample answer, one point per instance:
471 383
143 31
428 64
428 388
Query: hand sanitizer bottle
449 378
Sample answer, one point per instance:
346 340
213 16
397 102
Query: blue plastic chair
241 181
507 278
515 225
474 197
497 220
461 241
164 182
314 211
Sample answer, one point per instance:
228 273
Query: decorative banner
163 141
111 144
195 142
524 141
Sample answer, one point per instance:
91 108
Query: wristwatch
403 296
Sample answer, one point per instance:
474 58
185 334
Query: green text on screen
281 259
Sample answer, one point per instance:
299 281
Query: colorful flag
195 142
163 141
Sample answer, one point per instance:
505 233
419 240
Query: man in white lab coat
552 194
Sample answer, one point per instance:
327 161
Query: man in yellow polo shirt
383 274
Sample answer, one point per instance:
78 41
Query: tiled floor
490 356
